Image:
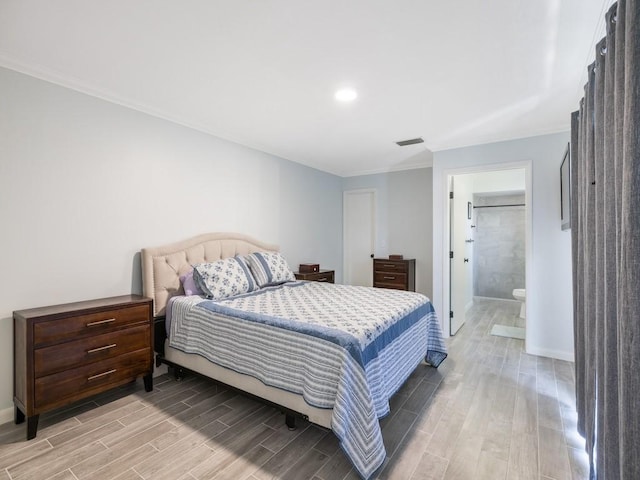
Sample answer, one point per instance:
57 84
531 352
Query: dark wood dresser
64 353
320 276
398 274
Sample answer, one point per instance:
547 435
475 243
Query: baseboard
6 415
468 306
559 355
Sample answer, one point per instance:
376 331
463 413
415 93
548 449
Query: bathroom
499 249
492 238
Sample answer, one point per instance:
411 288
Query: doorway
471 188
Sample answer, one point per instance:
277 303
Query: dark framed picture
565 190
469 210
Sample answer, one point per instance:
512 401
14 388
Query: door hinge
451 254
451 314
450 194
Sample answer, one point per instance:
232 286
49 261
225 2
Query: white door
359 234
460 211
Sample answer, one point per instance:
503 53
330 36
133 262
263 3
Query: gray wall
85 184
499 246
404 217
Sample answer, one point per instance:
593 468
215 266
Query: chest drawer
56 389
389 266
390 279
62 329
89 350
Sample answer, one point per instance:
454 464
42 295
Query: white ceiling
263 72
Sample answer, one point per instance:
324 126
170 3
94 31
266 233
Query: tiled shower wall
499 246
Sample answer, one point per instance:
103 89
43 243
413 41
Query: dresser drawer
324 277
390 279
63 329
60 388
321 276
389 266
92 349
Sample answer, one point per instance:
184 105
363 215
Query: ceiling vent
412 141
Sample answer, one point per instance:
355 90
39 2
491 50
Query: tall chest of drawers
64 353
398 274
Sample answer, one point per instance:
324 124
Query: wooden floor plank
245 465
286 457
111 463
64 475
336 468
491 467
464 459
430 467
54 464
394 432
306 466
554 457
407 456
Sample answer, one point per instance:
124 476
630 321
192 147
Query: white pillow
269 268
224 278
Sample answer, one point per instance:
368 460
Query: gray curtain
605 222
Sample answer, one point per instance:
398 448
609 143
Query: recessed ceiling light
346 95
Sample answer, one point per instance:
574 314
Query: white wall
85 184
499 181
549 293
404 217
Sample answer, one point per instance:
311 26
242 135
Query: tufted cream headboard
162 266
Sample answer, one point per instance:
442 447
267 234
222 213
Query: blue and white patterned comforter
342 347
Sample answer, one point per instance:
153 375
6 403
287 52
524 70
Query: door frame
345 194
444 181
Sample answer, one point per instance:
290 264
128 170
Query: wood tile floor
489 412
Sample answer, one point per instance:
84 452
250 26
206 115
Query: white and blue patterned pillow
224 278
269 268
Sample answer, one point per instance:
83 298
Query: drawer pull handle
109 372
101 322
323 279
389 278
99 349
389 266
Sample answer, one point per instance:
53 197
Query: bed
332 354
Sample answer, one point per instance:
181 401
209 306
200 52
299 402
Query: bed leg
178 373
290 420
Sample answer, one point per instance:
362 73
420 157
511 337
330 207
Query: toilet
519 294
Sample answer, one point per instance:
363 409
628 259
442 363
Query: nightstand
320 276
64 353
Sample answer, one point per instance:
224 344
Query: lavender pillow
189 284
